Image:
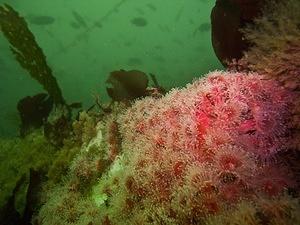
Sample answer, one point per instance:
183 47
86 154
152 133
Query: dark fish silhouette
98 24
40 20
159 59
179 14
164 28
204 27
191 21
79 19
151 6
178 42
158 47
128 43
74 25
134 61
140 11
139 21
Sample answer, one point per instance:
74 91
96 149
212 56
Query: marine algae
27 52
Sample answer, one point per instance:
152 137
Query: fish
179 13
178 42
74 25
140 11
79 19
98 24
204 27
134 61
159 59
151 6
128 43
164 28
191 21
139 21
158 47
40 20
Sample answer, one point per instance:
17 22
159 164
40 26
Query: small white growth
98 196
96 141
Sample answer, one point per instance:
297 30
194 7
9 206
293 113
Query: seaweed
34 111
9 213
127 85
27 52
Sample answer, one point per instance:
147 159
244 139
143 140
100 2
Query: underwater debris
127 85
34 111
27 52
40 20
139 21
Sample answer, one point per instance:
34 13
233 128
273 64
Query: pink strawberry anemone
199 150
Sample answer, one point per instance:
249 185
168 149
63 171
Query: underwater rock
198 152
275 52
127 85
227 18
139 21
34 111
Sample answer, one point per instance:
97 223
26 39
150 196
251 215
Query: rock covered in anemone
198 152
